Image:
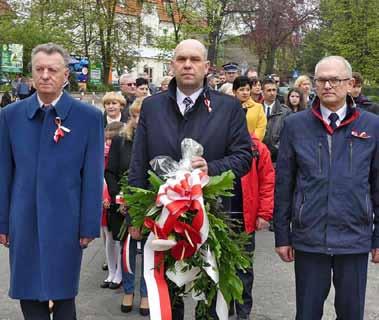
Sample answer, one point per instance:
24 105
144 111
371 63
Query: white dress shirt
41 104
180 96
265 105
325 112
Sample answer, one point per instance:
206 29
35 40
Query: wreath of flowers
206 267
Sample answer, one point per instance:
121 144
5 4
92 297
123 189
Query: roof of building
134 8
4 7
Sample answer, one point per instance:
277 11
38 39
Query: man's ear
207 65
66 74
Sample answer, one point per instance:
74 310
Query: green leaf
219 186
155 180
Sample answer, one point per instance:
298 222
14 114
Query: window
149 71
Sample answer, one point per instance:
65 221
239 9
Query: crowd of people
308 160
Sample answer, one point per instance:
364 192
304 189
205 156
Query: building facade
153 18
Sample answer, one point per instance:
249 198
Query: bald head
190 65
193 44
339 60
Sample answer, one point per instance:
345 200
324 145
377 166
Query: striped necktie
188 104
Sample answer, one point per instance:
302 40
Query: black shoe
144 311
114 286
104 267
126 309
105 284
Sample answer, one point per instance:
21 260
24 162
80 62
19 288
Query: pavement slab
274 289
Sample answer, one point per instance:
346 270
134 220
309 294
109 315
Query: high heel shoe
144 307
114 285
127 303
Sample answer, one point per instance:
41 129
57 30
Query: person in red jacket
257 208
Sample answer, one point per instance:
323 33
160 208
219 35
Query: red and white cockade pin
361 135
60 131
207 104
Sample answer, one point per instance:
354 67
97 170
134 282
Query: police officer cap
231 67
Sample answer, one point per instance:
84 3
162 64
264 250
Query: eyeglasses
334 82
131 84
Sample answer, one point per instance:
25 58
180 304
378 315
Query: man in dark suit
189 109
51 169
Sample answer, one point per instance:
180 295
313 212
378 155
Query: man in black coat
189 109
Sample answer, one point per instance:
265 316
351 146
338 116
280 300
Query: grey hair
126 76
51 48
337 58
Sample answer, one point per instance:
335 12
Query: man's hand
375 255
84 242
4 240
261 224
123 209
286 253
135 233
199 163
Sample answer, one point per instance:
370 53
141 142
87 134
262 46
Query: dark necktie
268 111
333 117
188 104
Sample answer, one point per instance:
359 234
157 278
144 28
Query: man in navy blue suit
189 109
51 169
327 196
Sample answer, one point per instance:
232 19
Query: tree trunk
212 50
270 61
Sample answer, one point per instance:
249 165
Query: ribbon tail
157 289
222 308
126 255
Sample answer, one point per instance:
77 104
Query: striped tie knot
188 104
333 117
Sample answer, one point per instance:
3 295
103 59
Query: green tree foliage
350 28
32 25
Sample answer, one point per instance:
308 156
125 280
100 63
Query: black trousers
39 310
314 273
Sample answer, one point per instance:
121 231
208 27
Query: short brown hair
358 79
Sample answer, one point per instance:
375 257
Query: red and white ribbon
177 196
60 131
125 255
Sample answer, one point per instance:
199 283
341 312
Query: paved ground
273 289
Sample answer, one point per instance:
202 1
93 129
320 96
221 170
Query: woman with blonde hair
113 104
118 164
304 83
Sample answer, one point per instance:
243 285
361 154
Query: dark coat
327 186
118 164
50 194
124 118
365 104
222 132
274 126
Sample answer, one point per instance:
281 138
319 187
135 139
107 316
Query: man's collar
269 105
180 95
341 112
62 107
53 103
172 88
